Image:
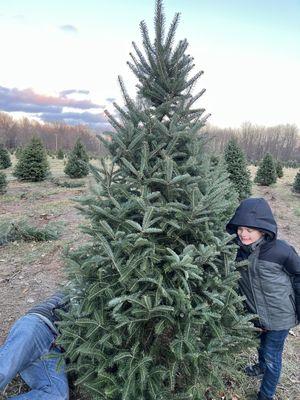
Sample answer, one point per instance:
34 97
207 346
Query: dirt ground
31 271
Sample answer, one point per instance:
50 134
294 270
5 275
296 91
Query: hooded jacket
271 281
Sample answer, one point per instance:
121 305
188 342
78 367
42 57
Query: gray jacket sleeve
292 265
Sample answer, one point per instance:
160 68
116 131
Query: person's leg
261 352
273 348
28 339
257 370
47 381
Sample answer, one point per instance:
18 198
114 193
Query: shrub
77 166
21 230
3 182
33 165
236 166
279 169
5 161
60 154
296 184
266 173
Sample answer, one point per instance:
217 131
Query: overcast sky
60 59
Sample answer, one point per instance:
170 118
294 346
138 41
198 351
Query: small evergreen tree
279 169
3 182
60 154
266 172
5 161
296 183
33 165
236 166
155 313
77 166
18 152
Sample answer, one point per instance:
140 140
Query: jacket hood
254 213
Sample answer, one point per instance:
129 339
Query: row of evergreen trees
267 173
33 165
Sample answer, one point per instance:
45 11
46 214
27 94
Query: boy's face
248 235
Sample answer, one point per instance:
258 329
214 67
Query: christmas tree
60 154
296 183
266 172
154 309
33 164
5 161
18 152
279 170
3 182
76 166
236 166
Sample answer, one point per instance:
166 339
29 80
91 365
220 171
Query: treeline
282 141
15 133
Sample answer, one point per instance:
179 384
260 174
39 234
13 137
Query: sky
60 59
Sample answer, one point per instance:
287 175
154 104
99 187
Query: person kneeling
26 351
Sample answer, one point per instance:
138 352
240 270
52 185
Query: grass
297 211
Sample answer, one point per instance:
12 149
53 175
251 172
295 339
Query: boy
29 342
270 284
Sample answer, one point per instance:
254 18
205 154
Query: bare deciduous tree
282 141
18 132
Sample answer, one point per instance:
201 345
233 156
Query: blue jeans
270 360
29 340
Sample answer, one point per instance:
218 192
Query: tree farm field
30 271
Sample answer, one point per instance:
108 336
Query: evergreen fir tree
296 183
5 161
236 166
266 172
18 152
60 154
279 169
3 182
33 165
154 311
77 166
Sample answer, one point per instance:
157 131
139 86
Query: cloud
110 99
54 108
84 117
24 100
75 118
65 93
69 28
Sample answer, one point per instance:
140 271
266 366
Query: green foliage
77 166
279 169
18 152
296 183
33 165
21 230
60 154
155 313
236 166
291 164
67 184
3 182
5 161
266 172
